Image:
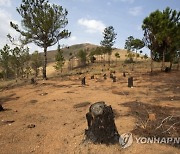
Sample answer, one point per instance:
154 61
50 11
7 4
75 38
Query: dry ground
45 118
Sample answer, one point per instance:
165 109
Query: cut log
101 125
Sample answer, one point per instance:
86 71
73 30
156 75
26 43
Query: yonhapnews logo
126 140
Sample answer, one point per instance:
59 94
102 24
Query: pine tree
43 23
109 40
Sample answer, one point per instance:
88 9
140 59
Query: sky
88 18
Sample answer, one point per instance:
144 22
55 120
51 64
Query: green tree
43 23
109 36
98 52
117 56
161 33
19 60
36 62
128 43
145 56
132 44
82 54
59 59
5 58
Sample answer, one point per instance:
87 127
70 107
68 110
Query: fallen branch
170 127
169 117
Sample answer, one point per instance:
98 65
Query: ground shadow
165 122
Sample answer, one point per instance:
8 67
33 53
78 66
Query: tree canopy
43 24
162 33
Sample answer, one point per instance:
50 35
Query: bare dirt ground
48 117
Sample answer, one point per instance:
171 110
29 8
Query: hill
66 51
77 47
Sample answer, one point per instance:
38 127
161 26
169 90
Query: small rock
152 117
43 94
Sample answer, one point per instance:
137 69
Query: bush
129 60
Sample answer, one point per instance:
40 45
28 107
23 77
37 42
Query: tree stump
1 108
111 75
105 76
101 125
167 69
83 82
124 74
114 78
92 77
130 82
33 81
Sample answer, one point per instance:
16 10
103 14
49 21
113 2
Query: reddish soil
50 117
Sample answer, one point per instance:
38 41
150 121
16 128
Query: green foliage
109 39
59 59
82 54
20 60
14 62
36 62
132 44
129 60
128 43
145 56
5 60
43 23
117 55
162 33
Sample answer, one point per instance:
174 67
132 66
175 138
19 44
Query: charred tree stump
83 82
124 74
130 82
33 81
101 125
111 75
1 108
92 77
114 78
167 69
105 76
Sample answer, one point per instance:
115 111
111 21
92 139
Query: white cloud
92 26
135 11
6 3
5 27
73 38
125 1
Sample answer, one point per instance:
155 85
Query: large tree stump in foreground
101 125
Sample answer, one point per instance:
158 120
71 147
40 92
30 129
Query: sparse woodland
45 96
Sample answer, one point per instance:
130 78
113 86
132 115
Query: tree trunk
151 63
45 63
170 65
163 61
178 64
136 56
36 72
